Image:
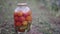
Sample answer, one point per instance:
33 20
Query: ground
43 20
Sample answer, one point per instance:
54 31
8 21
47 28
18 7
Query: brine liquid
21 20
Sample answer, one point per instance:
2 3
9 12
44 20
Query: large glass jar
22 17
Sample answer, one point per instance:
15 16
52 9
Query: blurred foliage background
46 16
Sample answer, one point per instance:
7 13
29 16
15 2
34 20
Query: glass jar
22 17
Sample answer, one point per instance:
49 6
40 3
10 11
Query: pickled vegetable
22 18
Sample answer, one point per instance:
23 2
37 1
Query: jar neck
22 6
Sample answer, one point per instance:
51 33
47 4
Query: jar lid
22 4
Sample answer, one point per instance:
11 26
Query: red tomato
18 24
25 15
21 18
16 18
20 13
29 18
25 23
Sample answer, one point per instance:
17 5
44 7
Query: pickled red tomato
25 23
29 18
27 14
18 24
21 18
16 18
20 13
15 14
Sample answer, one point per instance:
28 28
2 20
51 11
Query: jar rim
21 4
